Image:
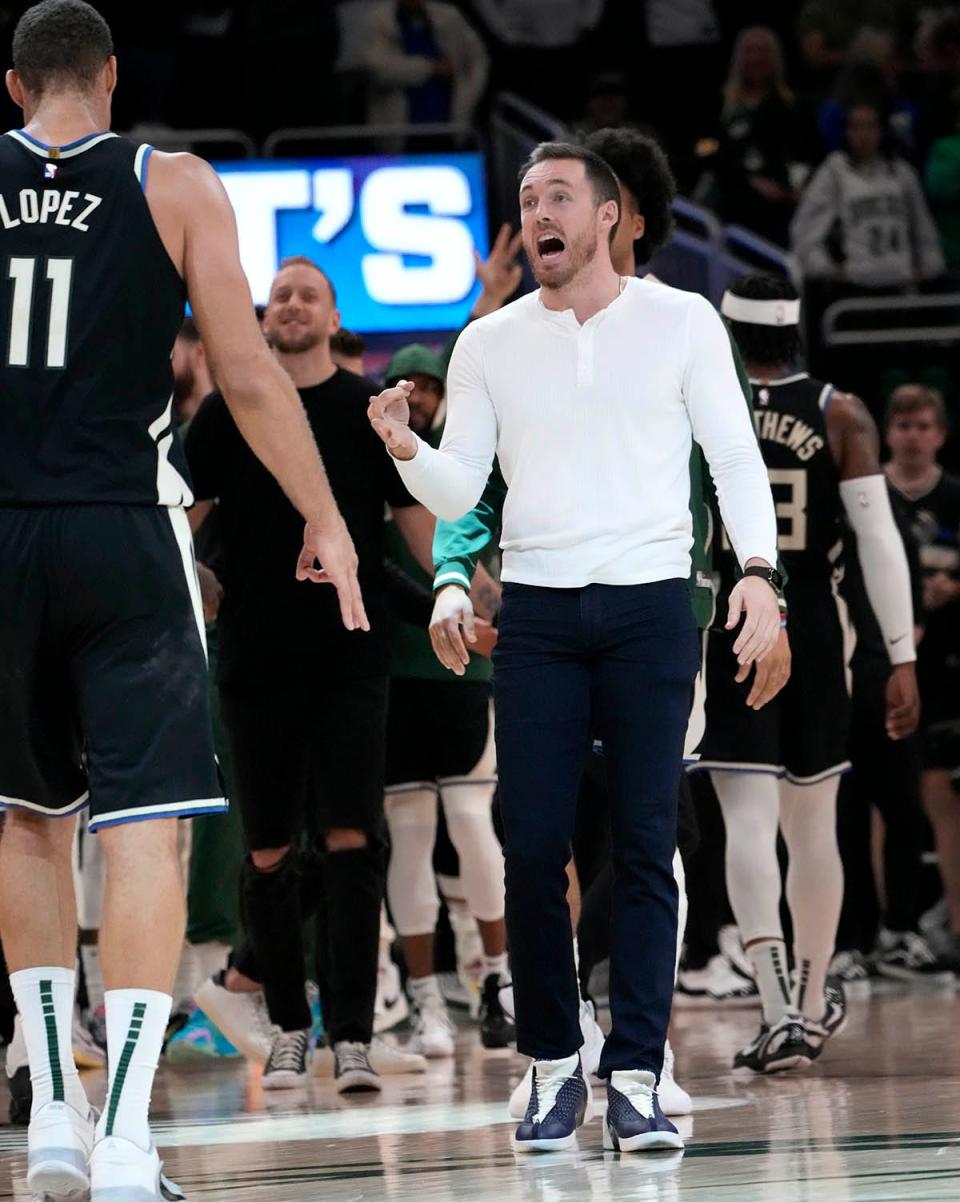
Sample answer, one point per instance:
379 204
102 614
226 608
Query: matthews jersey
790 416
90 305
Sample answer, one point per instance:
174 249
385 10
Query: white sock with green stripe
136 1024
45 999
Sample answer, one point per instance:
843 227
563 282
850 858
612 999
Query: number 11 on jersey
23 273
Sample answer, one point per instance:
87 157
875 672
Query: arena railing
516 127
391 139
224 143
920 325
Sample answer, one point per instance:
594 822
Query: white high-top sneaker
241 1017
673 1099
432 1028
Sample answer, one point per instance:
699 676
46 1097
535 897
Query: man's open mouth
549 245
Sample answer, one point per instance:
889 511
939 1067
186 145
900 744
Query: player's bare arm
855 445
196 224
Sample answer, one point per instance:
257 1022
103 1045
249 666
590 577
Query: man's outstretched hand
331 546
389 414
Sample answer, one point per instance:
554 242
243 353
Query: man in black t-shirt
916 430
304 701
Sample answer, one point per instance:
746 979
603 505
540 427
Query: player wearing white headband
778 768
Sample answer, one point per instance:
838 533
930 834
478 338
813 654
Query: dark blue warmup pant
617 662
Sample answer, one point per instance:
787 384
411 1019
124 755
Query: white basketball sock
45 998
808 818
769 960
136 1024
750 803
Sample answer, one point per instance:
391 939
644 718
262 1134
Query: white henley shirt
593 426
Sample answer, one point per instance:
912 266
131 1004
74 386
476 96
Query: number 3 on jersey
23 272
789 488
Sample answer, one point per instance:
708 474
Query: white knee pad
412 819
467 803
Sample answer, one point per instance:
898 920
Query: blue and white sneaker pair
561 1100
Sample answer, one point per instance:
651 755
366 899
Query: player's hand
499 273
755 601
452 613
332 546
389 414
211 593
903 701
770 675
939 589
486 634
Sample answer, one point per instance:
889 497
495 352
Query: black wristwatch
770 575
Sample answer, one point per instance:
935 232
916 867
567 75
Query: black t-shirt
935 521
275 629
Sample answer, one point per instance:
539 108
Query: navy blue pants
618 663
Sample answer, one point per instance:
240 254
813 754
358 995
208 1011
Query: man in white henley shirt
590 392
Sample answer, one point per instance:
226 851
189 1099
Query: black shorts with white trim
803 733
103 671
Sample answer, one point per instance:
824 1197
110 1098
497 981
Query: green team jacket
457 545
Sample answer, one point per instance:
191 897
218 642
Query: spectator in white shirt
590 392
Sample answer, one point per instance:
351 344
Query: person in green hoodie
440 752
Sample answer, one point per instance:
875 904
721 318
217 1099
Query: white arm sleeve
451 481
883 561
723 427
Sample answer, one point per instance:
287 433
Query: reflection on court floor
877 1121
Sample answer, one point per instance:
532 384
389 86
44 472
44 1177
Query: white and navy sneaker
634 1121
906 956
60 1140
560 1101
352 1070
719 984
777 1047
673 1099
590 1052
286 1066
120 1171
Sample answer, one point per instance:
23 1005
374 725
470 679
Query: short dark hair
346 342
915 398
641 166
60 44
598 172
765 344
306 261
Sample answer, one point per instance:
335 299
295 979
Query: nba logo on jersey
49 170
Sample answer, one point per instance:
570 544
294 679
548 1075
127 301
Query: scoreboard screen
396 235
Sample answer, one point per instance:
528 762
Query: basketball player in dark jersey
102 664
779 767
